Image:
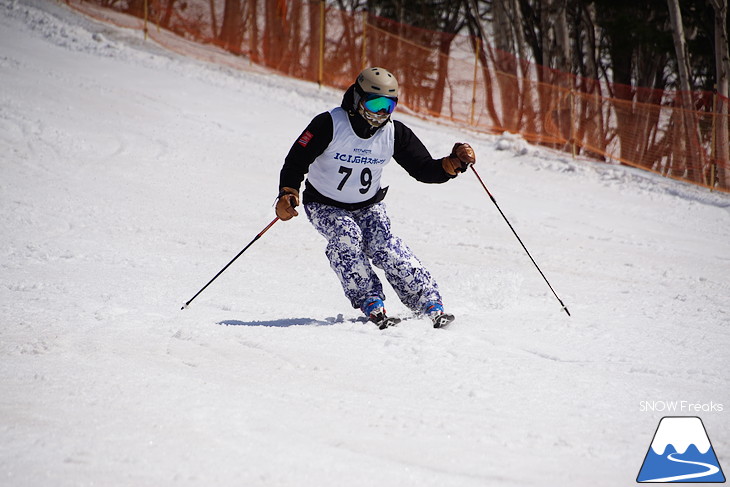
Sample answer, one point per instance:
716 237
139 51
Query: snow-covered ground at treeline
129 176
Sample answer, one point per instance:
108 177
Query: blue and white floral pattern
357 238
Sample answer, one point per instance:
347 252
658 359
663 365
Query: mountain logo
680 452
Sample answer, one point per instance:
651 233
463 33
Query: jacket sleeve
308 146
413 156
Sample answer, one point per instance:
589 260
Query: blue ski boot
374 309
435 312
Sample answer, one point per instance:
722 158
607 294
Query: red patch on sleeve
305 138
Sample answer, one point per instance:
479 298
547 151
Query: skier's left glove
461 157
288 200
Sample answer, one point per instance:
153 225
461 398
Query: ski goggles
376 103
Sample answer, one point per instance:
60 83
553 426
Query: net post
320 71
477 52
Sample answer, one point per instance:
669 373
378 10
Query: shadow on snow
287 322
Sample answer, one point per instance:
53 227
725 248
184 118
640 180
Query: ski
442 320
383 321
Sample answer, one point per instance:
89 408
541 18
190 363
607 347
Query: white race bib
350 169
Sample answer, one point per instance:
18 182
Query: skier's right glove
287 200
461 157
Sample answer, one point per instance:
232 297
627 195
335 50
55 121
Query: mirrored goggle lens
380 103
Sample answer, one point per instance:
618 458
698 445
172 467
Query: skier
344 151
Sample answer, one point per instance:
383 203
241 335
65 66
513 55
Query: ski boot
375 311
435 312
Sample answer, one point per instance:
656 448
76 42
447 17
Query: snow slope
130 176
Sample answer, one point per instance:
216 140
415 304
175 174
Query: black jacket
409 152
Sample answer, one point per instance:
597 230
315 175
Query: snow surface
130 176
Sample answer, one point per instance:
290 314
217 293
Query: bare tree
479 44
680 47
451 21
556 51
722 69
693 167
232 28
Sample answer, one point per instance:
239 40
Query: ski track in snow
130 176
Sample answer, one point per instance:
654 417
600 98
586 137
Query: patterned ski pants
354 238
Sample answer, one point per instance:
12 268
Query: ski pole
565 308
232 261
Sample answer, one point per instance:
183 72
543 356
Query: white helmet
376 94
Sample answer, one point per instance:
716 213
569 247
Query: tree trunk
556 55
692 165
166 18
274 34
592 130
555 35
295 66
527 112
479 38
437 101
255 32
722 68
232 27
562 37
213 20
312 44
506 67
680 46
502 24
136 8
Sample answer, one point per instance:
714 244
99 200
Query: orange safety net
446 76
